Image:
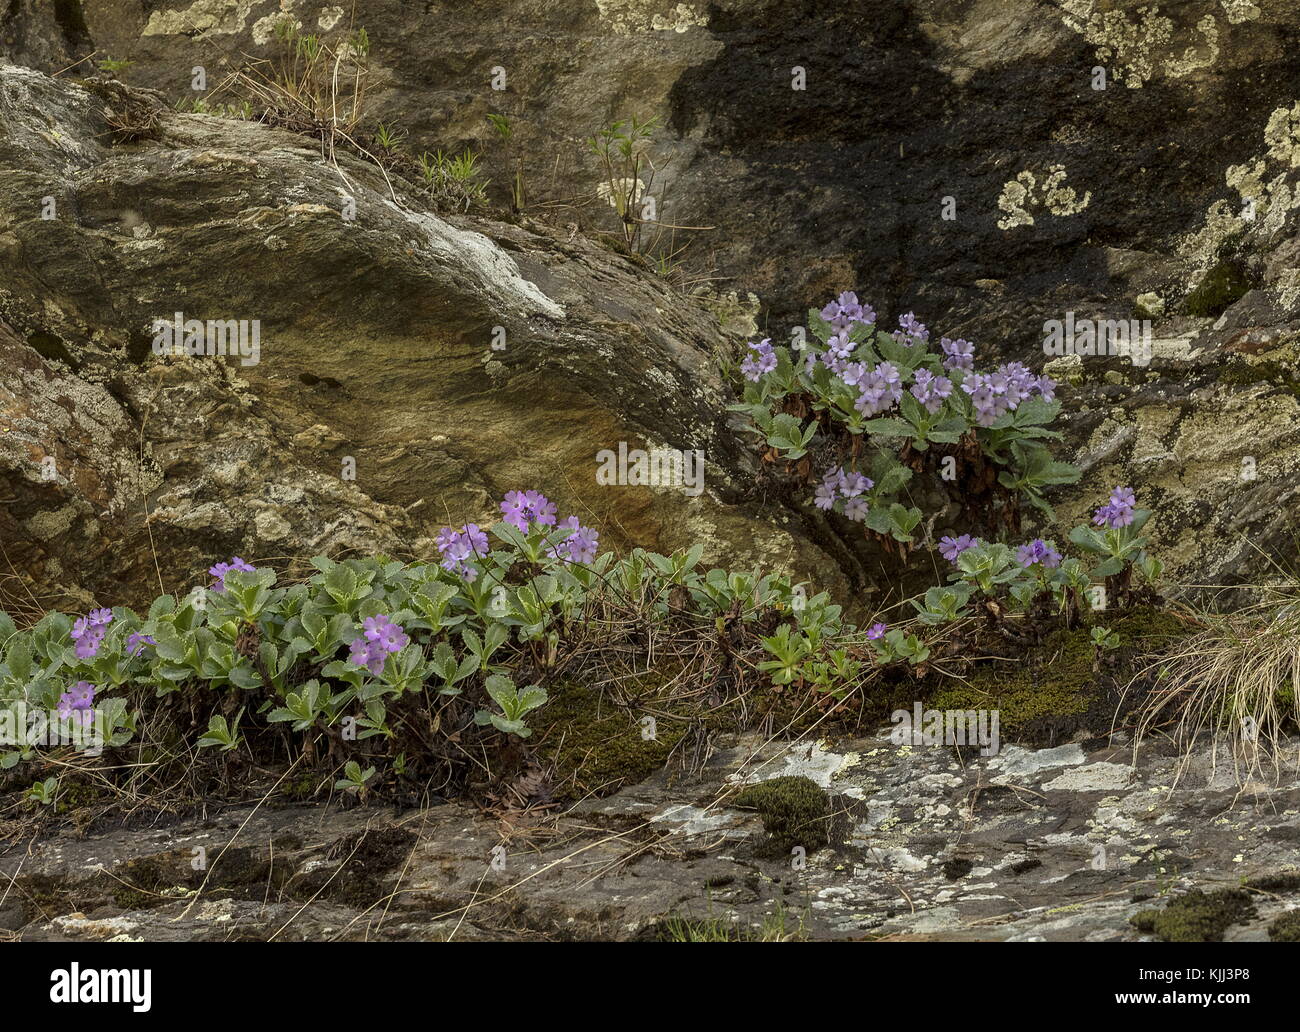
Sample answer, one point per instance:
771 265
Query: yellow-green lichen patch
794 812
1196 917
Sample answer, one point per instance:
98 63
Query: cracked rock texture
1115 160
1050 844
378 408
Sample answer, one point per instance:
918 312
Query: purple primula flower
135 643
837 484
857 508
1118 512
958 354
846 310
380 637
77 702
930 390
984 396
952 547
880 389
459 546
877 631
839 346
523 508
1046 388
852 372
763 360
1038 552
220 570
88 632
911 331
578 547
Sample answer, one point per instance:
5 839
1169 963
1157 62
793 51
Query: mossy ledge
1197 916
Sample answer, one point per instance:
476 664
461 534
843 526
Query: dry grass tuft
1233 684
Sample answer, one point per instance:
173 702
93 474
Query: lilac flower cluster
521 509
77 703
763 360
880 389
952 547
957 354
1038 552
526 511
996 393
578 547
911 331
89 631
931 390
379 637
458 547
851 487
845 310
1118 512
221 569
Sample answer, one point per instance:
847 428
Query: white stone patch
486 263
1017 763
811 761
693 819
1096 777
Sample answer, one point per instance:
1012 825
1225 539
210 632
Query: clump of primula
882 406
524 509
761 361
1118 512
88 632
1039 552
136 642
1037 575
578 547
77 703
951 547
220 570
380 638
458 547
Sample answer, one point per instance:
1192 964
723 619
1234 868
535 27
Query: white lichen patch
1096 777
1265 197
1025 194
329 17
1136 47
204 17
811 761
1239 11
626 17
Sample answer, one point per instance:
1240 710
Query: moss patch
1053 690
1196 917
1286 927
1276 882
1220 287
794 810
600 747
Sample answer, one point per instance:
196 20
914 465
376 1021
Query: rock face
390 359
992 165
1052 844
